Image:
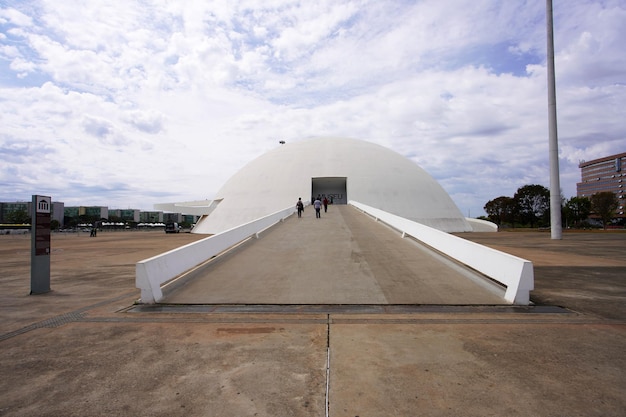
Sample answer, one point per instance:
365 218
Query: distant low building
180 218
6 208
96 212
127 215
151 217
190 218
172 217
604 174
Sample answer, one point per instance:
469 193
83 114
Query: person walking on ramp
300 207
318 205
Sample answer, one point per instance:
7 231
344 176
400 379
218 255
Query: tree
604 204
533 202
577 209
501 210
115 219
18 217
88 219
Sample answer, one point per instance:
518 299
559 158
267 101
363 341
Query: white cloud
129 103
13 16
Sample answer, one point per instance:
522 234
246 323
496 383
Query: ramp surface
345 257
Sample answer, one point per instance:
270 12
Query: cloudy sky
127 103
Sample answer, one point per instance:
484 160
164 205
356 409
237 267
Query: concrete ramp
345 257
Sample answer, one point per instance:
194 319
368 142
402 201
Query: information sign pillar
40 245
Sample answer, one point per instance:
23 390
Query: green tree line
530 207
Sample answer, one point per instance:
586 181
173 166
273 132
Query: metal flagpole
555 186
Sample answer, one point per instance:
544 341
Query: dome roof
344 169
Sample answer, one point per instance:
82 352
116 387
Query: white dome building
344 169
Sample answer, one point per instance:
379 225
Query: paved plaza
87 348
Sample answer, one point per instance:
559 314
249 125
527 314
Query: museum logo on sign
43 204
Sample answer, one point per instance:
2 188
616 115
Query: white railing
516 274
153 272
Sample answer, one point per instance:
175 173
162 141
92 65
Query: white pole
555 186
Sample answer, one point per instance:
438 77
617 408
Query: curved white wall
479 225
376 176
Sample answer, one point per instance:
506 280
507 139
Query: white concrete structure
516 274
513 273
152 273
479 225
196 208
346 169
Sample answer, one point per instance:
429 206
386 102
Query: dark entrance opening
333 188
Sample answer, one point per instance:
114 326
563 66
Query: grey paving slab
152 369
345 257
491 369
80 351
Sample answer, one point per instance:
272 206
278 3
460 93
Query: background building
91 212
604 174
173 217
190 218
127 215
8 208
74 215
151 216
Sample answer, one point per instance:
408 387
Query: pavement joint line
56 321
246 320
349 309
80 317
540 314
327 364
477 321
52 322
342 320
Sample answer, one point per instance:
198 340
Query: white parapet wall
152 273
479 225
516 274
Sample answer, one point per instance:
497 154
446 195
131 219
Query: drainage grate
344 308
49 323
61 320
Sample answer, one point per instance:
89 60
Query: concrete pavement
345 257
86 350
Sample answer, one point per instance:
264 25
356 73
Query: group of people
317 205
